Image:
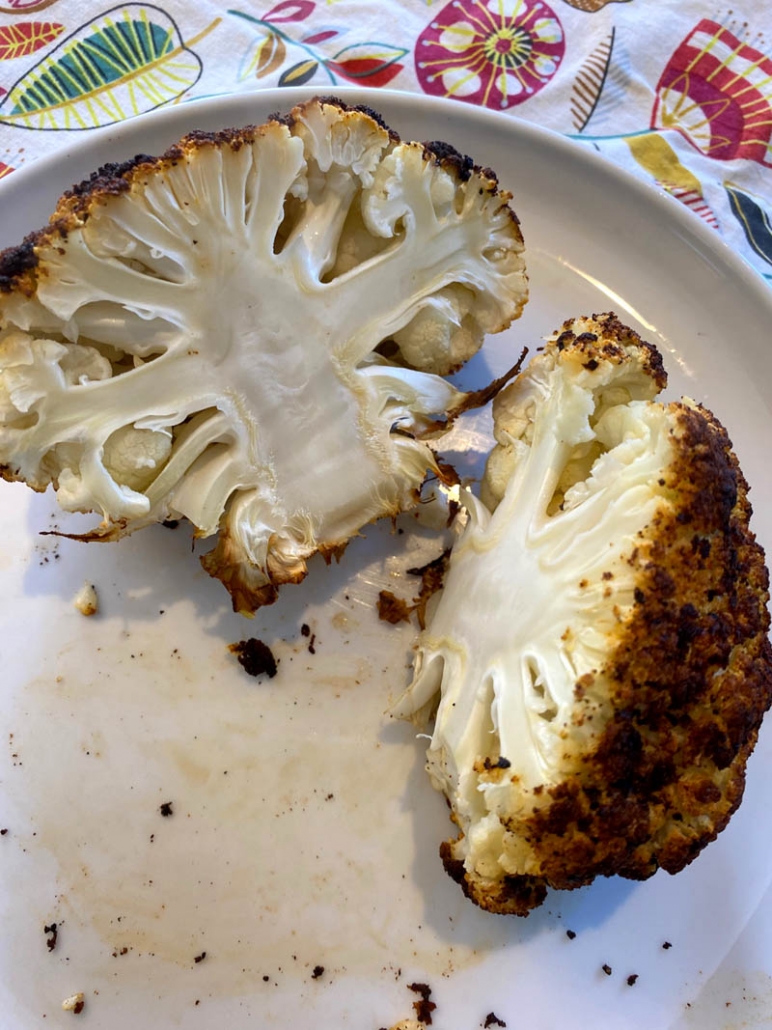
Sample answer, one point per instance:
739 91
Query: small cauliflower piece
86 600
600 646
75 1003
204 335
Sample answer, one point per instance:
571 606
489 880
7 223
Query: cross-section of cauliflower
599 658
200 335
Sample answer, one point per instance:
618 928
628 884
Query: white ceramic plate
304 831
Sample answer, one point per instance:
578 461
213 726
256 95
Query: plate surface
304 831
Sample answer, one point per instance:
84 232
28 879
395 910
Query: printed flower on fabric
717 92
496 53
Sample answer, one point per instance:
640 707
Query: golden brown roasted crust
19 264
616 341
690 680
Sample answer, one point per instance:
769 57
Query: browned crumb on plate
199 958
631 979
571 934
166 809
423 1007
318 971
607 969
432 575
493 1020
392 608
52 935
255 657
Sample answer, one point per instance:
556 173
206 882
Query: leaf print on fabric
25 37
496 53
694 200
299 73
755 221
655 154
266 55
591 6
590 81
290 10
375 62
127 61
717 92
372 63
26 6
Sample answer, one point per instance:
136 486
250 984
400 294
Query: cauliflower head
600 647
205 334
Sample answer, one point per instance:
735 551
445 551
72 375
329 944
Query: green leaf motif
754 220
127 61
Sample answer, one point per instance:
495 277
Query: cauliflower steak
200 335
600 646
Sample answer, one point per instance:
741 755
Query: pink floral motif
717 92
495 53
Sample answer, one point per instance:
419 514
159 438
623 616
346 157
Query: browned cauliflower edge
631 750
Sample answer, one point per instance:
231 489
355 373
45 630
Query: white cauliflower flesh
600 646
203 335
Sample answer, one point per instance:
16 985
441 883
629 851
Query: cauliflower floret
600 646
203 335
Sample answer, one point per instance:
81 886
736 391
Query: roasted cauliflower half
250 332
600 647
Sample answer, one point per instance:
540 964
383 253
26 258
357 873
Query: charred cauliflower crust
650 744
204 334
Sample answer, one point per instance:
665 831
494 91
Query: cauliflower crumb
86 600
75 1003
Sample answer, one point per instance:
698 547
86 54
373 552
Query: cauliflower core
200 335
600 645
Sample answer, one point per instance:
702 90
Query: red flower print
496 53
717 92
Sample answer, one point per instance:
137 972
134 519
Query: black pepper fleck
606 969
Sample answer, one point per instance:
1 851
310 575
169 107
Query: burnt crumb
78 1006
266 979
318 971
166 809
15 261
500 763
432 575
424 1007
450 158
170 523
199 958
311 642
571 934
631 979
110 178
305 630
607 969
255 657
3 831
666 945
52 932
493 1020
392 608
283 119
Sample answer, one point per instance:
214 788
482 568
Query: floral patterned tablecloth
677 91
